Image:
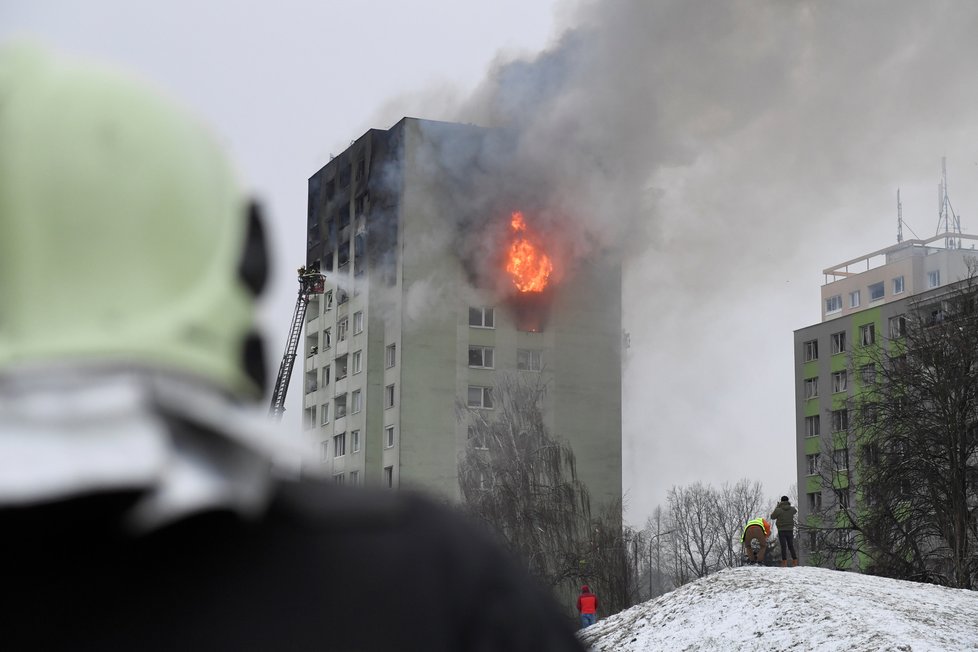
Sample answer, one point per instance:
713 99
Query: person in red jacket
587 605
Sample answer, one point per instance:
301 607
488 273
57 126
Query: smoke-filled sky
732 150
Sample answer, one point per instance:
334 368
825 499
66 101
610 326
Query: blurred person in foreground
137 507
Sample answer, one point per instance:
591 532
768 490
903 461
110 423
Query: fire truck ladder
309 283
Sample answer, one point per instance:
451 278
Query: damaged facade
420 318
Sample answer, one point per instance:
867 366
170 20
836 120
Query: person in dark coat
784 518
587 606
138 507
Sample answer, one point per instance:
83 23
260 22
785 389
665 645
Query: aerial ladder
310 283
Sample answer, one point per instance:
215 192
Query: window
356 401
389 396
481 318
934 278
833 304
815 501
341 365
842 496
389 437
358 322
838 342
840 420
324 412
897 326
327 339
391 355
811 388
867 334
867 373
309 417
529 360
326 375
354 478
840 381
339 404
876 291
813 540
479 397
341 328
339 445
812 426
324 450
355 441
811 350
480 356
389 477
840 459
328 300
812 462
854 299
357 361
477 438
898 285
342 296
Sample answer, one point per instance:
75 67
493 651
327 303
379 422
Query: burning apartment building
448 267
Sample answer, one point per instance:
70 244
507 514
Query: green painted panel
813 445
813 483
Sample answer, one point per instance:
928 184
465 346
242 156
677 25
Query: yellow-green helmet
124 236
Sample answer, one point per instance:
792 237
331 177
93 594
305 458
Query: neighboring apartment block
864 302
413 330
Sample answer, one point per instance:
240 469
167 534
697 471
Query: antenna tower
899 218
947 218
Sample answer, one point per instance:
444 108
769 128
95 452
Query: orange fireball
529 266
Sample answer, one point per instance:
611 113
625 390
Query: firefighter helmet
124 228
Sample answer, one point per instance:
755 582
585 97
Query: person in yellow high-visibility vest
758 529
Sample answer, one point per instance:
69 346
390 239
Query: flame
529 266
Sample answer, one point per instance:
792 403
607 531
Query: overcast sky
752 144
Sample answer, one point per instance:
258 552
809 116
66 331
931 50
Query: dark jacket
784 516
326 568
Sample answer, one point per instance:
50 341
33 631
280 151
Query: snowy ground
770 608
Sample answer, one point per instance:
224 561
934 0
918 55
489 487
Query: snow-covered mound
760 608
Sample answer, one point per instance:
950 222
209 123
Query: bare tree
523 483
735 505
693 515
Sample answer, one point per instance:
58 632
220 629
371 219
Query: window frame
389 436
854 299
358 322
483 312
485 401
811 388
867 334
357 361
531 354
482 352
355 441
810 350
881 286
389 396
390 354
898 285
833 304
356 401
840 381
838 341
339 445
813 425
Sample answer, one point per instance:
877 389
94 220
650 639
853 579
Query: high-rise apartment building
865 302
420 319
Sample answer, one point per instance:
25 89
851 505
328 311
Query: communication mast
899 218
947 222
310 283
